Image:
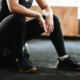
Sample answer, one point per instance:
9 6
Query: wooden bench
67 17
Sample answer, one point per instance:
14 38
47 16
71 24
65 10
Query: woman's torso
4 12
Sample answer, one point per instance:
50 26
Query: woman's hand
49 24
49 13
42 22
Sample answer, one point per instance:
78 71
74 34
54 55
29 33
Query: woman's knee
56 19
19 18
13 19
18 21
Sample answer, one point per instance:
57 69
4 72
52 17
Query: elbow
13 10
45 7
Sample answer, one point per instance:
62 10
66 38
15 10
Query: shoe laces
73 60
28 62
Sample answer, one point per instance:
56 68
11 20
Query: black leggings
15 30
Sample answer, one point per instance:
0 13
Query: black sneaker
24 66
68 63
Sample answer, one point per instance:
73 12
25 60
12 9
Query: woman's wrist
51 16
38 15
47 14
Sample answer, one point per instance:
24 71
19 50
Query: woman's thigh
9 23
33 29
14 20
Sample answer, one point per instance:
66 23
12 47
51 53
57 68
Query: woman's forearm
22 10
47 11
15 7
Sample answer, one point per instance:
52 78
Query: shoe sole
31 70
66 68
77 69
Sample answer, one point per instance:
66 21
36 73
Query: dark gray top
4 11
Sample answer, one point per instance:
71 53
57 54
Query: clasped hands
47 24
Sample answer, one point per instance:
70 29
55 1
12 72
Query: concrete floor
43 51
44 57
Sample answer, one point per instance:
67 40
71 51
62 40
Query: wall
67 17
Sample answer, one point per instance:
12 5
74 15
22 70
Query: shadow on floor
42 73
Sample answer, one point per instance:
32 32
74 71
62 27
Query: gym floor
44 57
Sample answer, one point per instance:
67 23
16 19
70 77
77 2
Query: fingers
42 22
39 23
47 26
50 29
44 26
